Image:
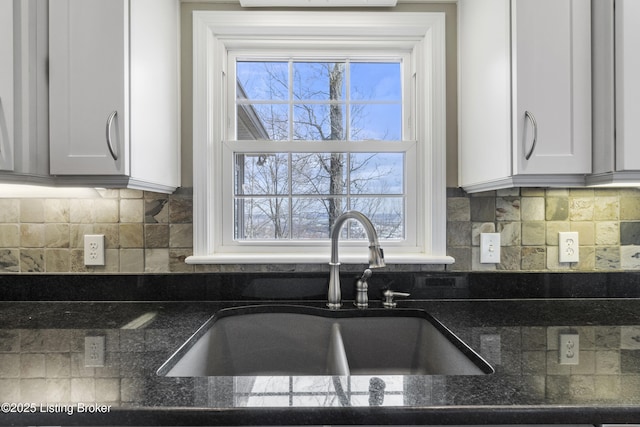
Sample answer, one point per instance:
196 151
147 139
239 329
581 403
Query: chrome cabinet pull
530 116
109 144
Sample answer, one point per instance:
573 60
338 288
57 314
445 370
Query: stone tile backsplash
144 232
153 233
529 219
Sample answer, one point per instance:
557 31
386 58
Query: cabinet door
6 85
89 113
551 86
627 42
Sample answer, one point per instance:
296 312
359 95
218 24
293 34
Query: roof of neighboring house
249 124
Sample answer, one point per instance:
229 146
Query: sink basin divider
337 362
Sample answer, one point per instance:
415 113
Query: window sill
258 258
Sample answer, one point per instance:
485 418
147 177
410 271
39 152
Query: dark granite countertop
45 382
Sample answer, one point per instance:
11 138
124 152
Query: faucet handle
388 301
365 275
362 297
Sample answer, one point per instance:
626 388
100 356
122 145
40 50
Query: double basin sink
273 340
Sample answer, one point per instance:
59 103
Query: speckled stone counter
44 380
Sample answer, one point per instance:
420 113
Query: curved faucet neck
337 228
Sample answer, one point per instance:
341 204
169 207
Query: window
300 116
340 127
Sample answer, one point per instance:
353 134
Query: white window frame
215 33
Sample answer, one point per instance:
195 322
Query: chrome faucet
376 256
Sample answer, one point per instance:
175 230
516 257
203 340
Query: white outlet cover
569 349
94 249
94 351
489 248
568 250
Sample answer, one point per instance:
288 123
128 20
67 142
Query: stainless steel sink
298 340
410 345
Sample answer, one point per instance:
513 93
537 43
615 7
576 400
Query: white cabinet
524 93
6 85
616 94
24 132
114 93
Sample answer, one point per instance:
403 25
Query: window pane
263 121
310 219
319 122
376 81
262 174
262 218
321 81
318 173
386 214
376 173
381 122
262 80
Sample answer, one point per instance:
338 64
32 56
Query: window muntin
347 102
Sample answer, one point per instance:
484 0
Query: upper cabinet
525 93
114 93
6 85
24 92
616 67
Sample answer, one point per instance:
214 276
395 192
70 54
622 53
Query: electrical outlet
94 351
569 349
94 249
489 248
568 250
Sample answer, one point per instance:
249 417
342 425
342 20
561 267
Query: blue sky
374 90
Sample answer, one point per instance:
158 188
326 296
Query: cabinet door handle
530 116
109 144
